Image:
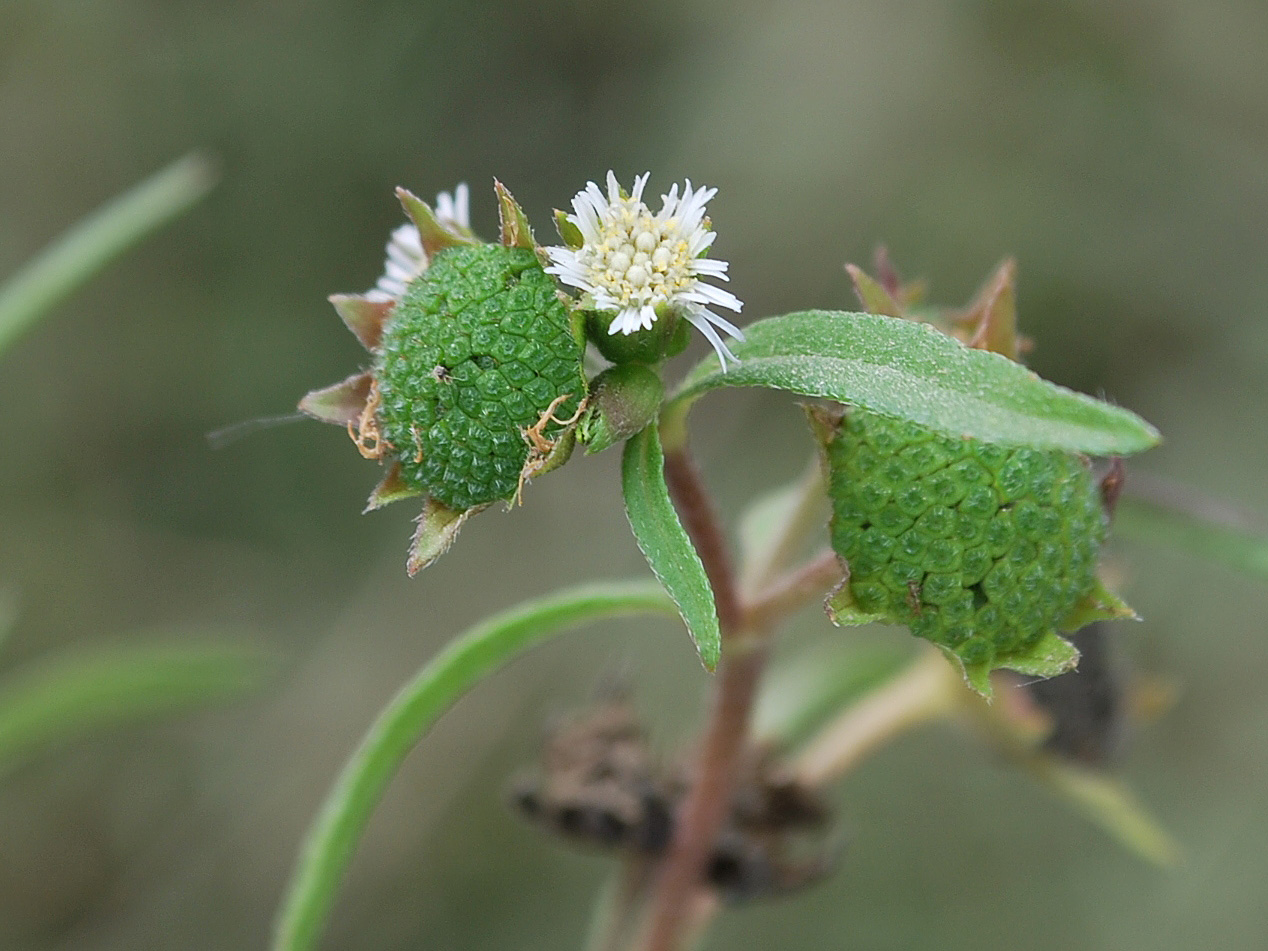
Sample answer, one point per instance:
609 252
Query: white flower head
633 263
406 258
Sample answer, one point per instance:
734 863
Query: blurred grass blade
1108 803
62 698
464 662
97 239
1179 524
911 371
665 543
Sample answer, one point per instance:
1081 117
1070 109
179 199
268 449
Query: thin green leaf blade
332 839
911 371
665 544
59 699
96 240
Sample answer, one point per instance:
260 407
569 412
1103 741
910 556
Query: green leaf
1194 532
329 845
911 371
665 544
62 698
97 239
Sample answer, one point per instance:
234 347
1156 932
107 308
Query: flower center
640 260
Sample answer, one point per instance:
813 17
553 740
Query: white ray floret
406 258
633 263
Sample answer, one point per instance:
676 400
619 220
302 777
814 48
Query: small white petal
700 320
462 205
710 267
708 294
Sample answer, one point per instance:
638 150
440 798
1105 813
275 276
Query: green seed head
477 353
981 549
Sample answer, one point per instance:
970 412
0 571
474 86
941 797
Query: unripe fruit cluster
478 350
979 548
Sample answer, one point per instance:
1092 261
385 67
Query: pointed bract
391 489
840 606
1049 656
433 235
992 317
824 421
1099 604
1052 654
875 298
886 273
341 404
569 233
364 317
976 676
437 528
516 232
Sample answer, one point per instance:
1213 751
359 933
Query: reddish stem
704 810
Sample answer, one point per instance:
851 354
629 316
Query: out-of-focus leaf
911 371
1155 521
804 693
664 542
778 524
1108 803
333 837
62 698
1098 795
96 240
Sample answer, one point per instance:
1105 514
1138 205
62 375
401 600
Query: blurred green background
1119 148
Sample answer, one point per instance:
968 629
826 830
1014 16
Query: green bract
980 548
479 350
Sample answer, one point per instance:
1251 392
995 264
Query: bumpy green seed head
478 352
477 380
979 548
